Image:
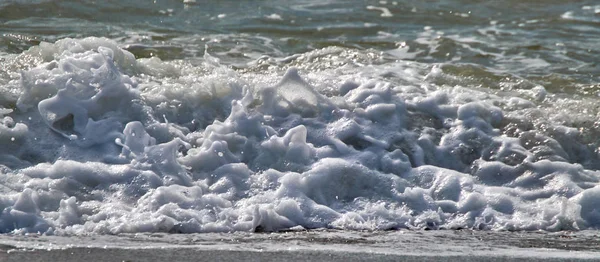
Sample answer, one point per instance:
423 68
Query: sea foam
94 140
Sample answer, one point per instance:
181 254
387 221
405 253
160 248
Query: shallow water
318 245
190 116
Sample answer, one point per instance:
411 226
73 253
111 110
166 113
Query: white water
94 141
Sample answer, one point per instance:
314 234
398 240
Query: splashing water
97 137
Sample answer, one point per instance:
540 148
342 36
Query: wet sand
461 245
186 254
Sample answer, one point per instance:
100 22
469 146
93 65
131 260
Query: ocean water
190 116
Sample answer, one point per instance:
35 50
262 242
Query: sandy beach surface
463 245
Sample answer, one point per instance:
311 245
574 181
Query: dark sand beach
462 245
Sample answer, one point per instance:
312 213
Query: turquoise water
547 42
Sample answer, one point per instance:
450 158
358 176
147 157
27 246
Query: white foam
122 145
274 17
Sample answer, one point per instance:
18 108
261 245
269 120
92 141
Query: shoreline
190 254
319 245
